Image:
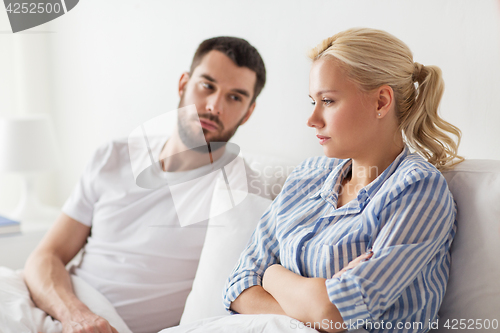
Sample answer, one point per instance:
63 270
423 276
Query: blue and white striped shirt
406 215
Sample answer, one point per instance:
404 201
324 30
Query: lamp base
30 211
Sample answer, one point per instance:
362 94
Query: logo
193 175
28 14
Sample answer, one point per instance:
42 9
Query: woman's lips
322 139
208 125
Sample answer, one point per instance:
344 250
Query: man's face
222 93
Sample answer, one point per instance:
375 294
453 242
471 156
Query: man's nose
215 103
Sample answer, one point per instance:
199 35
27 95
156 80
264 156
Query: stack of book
8 226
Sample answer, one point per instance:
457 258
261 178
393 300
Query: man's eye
207 85
236 98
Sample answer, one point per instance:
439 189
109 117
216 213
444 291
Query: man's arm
49 281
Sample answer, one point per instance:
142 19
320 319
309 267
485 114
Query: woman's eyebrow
326 91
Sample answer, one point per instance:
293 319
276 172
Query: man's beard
190 139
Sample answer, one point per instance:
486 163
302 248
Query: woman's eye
327 101
313 102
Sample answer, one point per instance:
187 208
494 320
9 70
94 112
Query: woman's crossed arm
284 292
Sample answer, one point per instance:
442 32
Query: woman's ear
385 100
182 82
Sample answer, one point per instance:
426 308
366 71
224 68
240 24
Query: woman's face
344 116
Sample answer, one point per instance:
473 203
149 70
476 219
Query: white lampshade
27 144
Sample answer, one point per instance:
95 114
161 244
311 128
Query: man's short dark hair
240 52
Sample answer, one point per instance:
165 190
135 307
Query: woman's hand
354 263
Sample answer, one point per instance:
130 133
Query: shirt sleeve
263 249
418 225
80 204
262 252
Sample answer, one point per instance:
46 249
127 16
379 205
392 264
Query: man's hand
49 282
87 323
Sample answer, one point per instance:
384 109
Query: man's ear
182 82
385 100
248 114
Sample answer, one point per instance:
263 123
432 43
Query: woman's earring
378 114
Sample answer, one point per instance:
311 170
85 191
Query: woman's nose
315 120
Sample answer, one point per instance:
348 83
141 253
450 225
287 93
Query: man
145 272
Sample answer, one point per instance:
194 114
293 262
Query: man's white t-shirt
137 254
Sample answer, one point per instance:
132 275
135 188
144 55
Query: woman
369 198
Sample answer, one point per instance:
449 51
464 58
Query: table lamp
28 147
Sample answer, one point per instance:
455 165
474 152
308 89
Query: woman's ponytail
423 128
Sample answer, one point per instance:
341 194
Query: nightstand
16 248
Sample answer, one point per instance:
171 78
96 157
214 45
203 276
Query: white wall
25 88
116 64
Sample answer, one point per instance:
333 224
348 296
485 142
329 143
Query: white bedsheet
243 323
18 313
263 323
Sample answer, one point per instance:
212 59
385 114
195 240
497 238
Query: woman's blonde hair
373 58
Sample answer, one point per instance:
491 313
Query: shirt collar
333 178
372 188
341 170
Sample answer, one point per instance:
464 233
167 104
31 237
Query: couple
361 234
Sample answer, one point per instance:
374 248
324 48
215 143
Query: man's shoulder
111 154
113 146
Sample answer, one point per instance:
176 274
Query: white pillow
98 304
473 292
270 171
227 236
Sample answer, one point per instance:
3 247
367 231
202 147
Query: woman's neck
365 170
